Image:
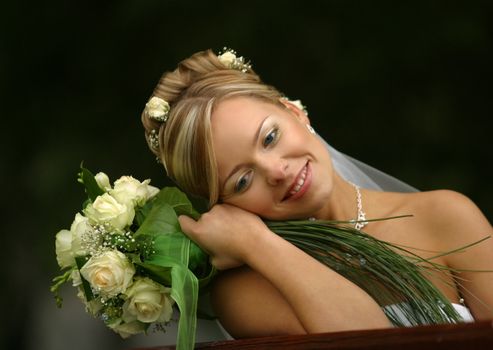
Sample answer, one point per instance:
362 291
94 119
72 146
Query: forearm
322 299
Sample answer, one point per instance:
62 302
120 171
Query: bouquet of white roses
129 260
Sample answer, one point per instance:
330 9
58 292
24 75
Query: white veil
365 175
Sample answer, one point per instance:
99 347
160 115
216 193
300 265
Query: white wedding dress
368 177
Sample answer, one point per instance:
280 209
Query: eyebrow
254 141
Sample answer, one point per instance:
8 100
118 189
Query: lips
300 184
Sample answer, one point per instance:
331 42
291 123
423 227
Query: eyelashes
269 140
271 137
243 182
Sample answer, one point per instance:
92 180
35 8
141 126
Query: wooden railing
468 336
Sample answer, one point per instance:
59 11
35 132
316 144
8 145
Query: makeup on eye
271 137
243 181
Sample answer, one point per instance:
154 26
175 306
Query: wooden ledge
470 336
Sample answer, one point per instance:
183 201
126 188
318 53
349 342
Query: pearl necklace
360 221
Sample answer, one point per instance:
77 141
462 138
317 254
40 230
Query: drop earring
310 129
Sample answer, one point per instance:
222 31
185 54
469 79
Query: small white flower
106 209
147 301
109 274
227 58
157 108
103 181
130 191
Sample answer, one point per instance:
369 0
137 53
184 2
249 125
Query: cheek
256 200
296 134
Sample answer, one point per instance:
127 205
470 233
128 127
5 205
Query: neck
341 203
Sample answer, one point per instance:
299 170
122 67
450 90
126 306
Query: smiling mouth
298 183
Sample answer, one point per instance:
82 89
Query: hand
227 233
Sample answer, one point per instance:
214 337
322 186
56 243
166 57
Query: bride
224 135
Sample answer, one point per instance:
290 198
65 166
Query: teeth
300 182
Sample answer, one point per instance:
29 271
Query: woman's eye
243 182
271 137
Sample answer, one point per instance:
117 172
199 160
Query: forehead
238 117
236 108
235 123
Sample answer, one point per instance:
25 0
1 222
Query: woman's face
268 161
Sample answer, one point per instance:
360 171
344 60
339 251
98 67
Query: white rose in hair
107 209
298 104
103 181
130 191
109 274
227 58
157 108
68 244
147 301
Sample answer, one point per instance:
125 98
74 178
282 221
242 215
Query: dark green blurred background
403 86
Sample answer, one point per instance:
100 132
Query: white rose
68 244
227 58
298 104
79 228
147 301
151 191
103 181
125 330
157 108
109 274
107 209
130 191
63 249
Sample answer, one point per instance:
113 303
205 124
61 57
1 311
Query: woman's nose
275 170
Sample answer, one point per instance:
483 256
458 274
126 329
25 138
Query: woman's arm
320 298
458 222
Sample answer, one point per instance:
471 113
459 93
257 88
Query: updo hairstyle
192 91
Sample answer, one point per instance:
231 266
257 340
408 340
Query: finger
187 224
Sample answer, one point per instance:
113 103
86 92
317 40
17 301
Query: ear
296 110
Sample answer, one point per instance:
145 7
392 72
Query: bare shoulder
248 305
448 210
443 218
449 217
457 222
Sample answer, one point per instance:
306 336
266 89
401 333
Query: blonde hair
193 90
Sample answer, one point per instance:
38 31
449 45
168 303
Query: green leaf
160 220
198 260
174 258
92 188
158 273
178 201
81 261
142 212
